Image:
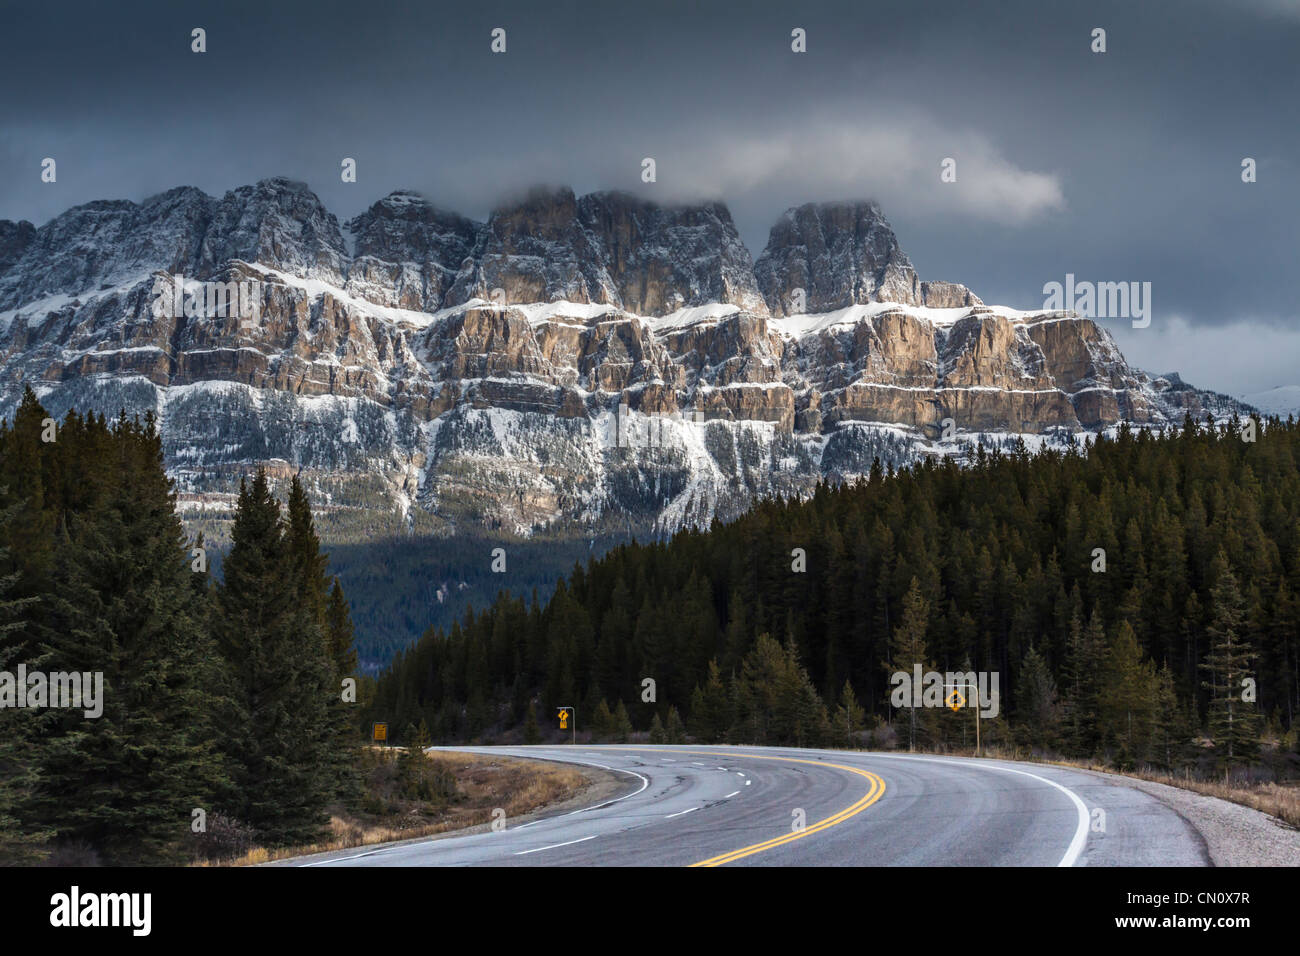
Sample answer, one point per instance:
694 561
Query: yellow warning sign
955 701
381 733
564 718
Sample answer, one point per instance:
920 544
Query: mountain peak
830 255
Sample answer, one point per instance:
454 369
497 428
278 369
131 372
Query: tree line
1136 595
224 719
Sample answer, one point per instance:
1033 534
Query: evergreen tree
325 631
907 650
657 735
674 729
1234 719
603 726
1039 710
122 612
279 739
710 709
622 724
532 733
1084 656
1171 733
1128 704
17 735
850 718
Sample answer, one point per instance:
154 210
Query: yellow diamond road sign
955 701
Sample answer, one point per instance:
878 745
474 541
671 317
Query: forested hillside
221 718
1129 594
399 585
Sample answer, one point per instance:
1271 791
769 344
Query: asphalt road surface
759 806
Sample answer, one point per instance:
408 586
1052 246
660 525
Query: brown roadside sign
381 733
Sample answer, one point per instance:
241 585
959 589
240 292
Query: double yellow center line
876 791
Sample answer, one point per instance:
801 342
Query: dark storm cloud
1120 166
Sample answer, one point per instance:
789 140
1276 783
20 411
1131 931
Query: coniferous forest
1137 598
223 718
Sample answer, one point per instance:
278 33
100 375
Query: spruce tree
280 739
850 718
1234 719
123 608
622 723
1036 702
1127 708
602 725
1172 733
710 710
1084 656
532 733
18 735
674 729
907 649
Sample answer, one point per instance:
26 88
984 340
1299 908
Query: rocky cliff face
573 361
826 256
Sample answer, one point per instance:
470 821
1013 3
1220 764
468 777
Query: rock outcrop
826 256
577 361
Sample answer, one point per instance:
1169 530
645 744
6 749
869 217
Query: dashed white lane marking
557 845
669 760
748 782
739 774
730 795
681 812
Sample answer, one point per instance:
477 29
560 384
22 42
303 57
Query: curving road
741 806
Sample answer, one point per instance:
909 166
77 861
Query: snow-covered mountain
575 362
1281 401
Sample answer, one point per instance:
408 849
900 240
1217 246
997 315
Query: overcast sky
1122 166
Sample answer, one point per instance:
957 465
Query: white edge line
1075 849
340 859
645 782
556 845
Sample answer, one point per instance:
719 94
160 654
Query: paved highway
743 806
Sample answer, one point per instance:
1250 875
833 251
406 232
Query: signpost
569 715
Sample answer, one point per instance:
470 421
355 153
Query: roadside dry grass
478 784
1274 799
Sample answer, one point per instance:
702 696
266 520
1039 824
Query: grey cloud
1122 166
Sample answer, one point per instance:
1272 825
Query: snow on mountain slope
581 362
1282 401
